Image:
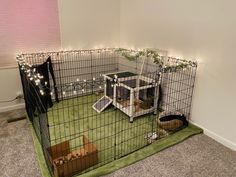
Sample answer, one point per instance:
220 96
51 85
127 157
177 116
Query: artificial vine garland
133 55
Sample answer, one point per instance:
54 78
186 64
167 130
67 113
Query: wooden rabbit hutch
133 94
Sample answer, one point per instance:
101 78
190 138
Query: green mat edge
141 154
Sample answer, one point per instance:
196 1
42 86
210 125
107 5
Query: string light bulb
172 65
41 92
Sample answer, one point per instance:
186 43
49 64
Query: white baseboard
217 137
13 107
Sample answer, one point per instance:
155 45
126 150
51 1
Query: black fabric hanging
30 102
44 70
160 97
33 99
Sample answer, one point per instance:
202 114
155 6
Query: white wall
203 30
89 23
10 85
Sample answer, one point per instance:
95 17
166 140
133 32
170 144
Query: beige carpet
17 154
198 156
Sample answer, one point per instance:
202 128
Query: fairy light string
80 85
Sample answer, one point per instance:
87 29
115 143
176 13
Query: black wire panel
177 92
107 107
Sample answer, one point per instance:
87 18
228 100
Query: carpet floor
17 153
197 156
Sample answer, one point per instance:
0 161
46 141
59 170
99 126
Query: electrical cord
7 101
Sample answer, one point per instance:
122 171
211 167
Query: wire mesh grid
177 90
104 106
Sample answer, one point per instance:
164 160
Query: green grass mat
127 160
73 117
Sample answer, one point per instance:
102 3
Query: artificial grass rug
71 118
129 159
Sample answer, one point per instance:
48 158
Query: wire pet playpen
91 107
